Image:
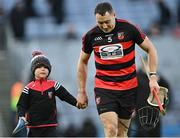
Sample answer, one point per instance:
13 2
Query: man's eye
107 22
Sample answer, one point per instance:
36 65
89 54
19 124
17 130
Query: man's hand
82 100
81 106
153 84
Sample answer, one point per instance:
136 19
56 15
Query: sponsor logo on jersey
98 38
112 51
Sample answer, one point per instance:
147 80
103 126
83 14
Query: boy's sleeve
64 95
22 104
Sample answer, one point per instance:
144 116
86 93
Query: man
113 42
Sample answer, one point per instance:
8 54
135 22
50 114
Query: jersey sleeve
138 35
86 44
63 94
22 105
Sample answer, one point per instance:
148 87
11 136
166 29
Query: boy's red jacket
38 101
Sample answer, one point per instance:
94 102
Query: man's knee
122 132
110 130
123 126
110 123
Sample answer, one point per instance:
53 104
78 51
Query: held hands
81 106
82 100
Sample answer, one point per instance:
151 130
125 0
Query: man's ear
114 13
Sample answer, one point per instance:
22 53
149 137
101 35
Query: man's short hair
102 8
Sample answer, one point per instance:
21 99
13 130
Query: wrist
152 74
82 91
153 77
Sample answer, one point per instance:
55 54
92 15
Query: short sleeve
86 44
138 35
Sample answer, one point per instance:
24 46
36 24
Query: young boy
38 101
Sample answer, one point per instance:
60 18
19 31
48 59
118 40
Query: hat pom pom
35 53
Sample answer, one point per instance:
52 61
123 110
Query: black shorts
121 102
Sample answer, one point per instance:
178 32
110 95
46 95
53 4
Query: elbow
152 51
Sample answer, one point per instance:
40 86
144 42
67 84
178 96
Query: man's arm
82 77
148 46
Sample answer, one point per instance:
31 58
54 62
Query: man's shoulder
126 22
122 20
92 30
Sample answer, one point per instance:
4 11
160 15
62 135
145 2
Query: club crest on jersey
50 94
98 100
121 35
113 51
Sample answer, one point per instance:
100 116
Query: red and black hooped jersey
114 55
38 101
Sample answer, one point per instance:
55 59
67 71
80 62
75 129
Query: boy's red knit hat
39 59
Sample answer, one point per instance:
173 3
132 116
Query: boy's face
41 72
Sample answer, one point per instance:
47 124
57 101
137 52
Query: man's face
106 22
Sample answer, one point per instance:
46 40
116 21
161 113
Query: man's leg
110 123
123 125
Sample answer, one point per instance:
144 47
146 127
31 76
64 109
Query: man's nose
104 25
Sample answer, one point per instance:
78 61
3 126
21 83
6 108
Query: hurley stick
154 92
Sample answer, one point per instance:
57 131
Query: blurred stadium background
56 27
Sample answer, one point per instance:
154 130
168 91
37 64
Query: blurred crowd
166 20
24 9
88 129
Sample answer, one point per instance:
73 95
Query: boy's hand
23 118
21 124
81 106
